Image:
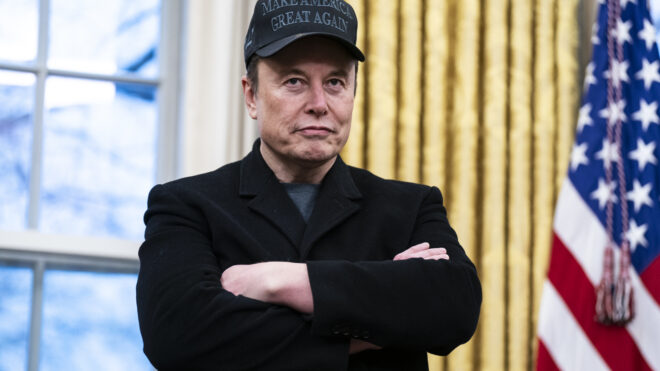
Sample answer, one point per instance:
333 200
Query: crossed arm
191 316
287 284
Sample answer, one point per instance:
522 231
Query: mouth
315 131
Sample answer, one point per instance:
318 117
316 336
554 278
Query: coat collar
337 200
255 175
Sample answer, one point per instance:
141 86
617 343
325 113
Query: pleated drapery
477 97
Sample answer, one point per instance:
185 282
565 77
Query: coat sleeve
423 304
188 321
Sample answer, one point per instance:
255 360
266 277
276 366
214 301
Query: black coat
241 214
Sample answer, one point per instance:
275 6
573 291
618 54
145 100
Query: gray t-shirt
304 196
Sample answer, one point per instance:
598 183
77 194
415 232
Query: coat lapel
269 197
336 202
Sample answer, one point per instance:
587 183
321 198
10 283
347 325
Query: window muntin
84 155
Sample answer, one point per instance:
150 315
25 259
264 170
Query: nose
317 104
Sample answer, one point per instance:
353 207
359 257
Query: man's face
304 101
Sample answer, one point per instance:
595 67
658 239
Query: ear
250 97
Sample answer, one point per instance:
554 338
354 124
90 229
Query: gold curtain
477 97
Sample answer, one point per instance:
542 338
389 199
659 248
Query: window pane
99 157
18 30
15 299
16 105
90 323
105 36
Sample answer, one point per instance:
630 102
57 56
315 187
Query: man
289 259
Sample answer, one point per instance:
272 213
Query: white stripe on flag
645 327
567 343
586 238
575 228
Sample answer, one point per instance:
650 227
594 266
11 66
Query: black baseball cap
277 23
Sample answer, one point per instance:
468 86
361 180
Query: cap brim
276 46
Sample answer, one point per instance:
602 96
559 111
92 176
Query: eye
335 82
293 81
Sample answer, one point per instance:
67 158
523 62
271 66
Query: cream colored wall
586 16
215 128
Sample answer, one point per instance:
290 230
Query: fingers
413 249
423 251
435 253
419 247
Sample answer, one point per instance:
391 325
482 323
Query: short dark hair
253 75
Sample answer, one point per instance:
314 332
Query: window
88 120
79 107
68 313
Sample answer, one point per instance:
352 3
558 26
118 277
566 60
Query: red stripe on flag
651 279
544 361
614 344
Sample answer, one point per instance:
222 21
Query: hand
424 251
247 280
357 346
279 283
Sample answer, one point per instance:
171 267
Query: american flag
569 337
